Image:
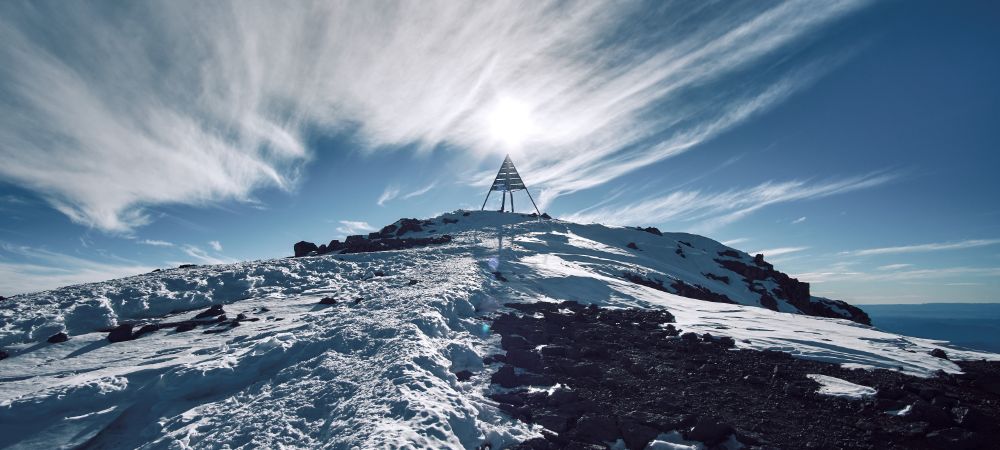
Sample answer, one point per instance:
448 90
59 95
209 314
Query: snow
375 374
841 388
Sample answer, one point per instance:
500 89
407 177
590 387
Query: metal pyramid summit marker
508 181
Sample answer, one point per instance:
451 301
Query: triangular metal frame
508 181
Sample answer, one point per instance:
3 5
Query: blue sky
854 143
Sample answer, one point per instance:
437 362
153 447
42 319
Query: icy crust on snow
376 374
836 387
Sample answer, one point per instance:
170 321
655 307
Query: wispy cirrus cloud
838 274
156 243
774 252
202 256
216 245
919 248
707 211
26 269
111 104
894 266
799 220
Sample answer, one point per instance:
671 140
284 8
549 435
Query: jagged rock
651 230
546 216
922 411
379 273
303 248
58 337
412 282
505 377
463 375
185 326
710 431
632 246
2 298
635 434
408 225
525 359
187 266
597 427
213 311
328 301
938 353
121 333
354 239
146 329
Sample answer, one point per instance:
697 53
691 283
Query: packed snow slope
378 368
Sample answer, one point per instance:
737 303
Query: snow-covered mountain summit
382 347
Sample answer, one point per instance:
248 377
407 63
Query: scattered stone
121 333
328 301
58 337
379 273
463 375
938 353
212 311
651 230
412 282
358 300
632 246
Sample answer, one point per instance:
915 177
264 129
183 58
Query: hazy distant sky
855 143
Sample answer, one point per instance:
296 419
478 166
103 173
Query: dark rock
379 273
447 220
546 216
412 282
2 298
328 301
513 398
374 235
185 326
597 427
680 252
466 214
971 418
213 311
635 434
730 253
58 337
463 375
408 225
505 377
355 239
651 230
4 355
957 438
553 420
727 342
241 316
156 270
554 350
121 333
146 329
922 411
938 353
499 276
758 259
525 359
713 276
632 245
187 266
710 431
689 337
303 248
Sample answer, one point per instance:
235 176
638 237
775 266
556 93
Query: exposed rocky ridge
388 238
628 374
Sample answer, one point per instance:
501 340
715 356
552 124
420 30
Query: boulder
597 427
184 326
303 248
408 225
938 353
328 301
635 434
58 337
121 333
146 329
651 230
505 377
632 246
463 375
213 311
187 266
711 431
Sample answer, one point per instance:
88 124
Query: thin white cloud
893 266
932 247
420 191
349 227
821 276
388 194
779 251
38 269
216 245
201 256
108 112
707 211
156 243
736 241
799 220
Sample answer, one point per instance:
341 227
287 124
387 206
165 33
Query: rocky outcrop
680 288
388 238
590 376
791 290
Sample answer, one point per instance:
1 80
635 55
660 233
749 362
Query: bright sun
510 121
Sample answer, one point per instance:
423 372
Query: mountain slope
397 361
